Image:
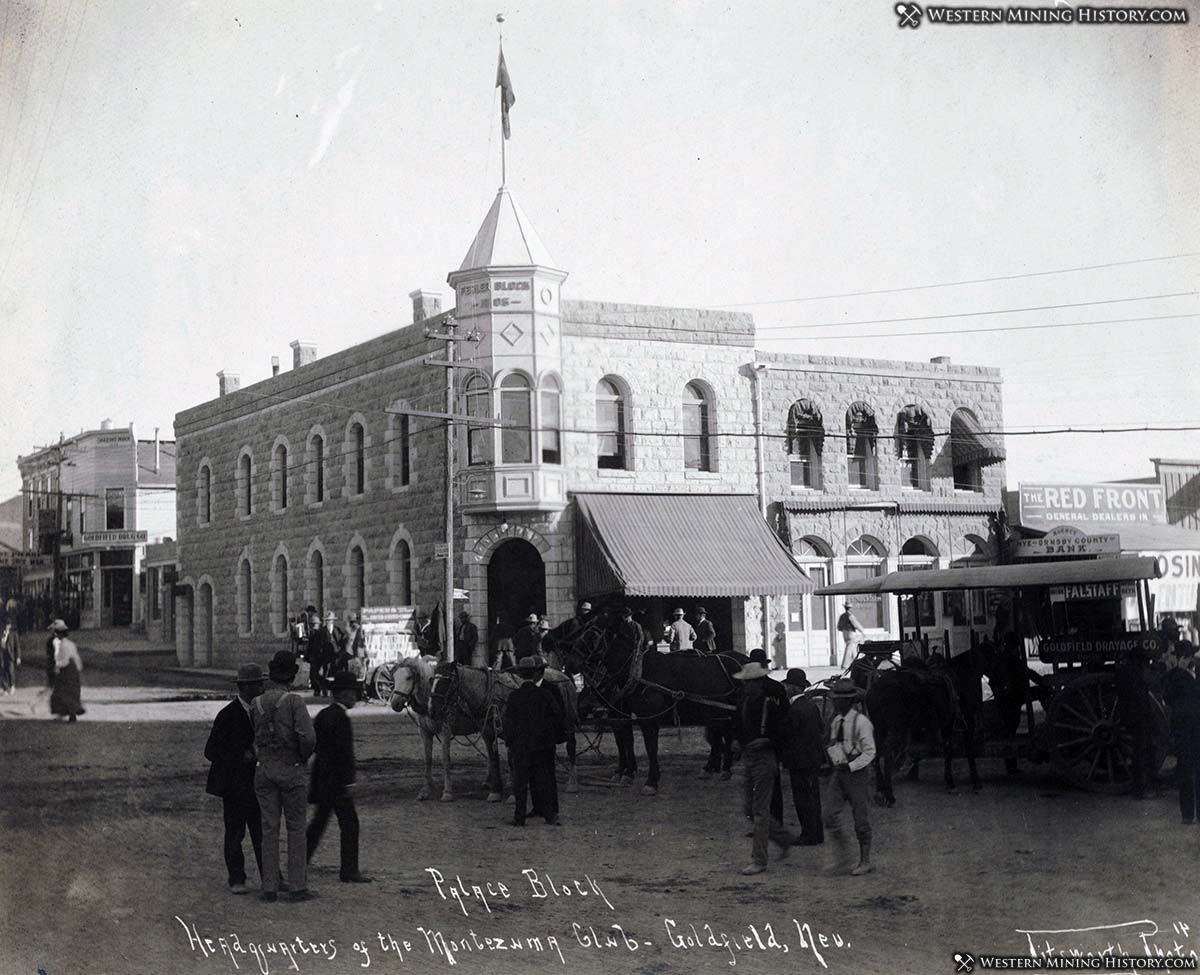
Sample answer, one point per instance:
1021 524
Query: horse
442 716
636 685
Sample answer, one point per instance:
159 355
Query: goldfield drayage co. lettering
1056 15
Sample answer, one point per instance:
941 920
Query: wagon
389 636
1070 616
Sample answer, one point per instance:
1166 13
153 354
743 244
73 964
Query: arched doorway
516 580
204 625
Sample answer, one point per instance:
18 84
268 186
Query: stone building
620 448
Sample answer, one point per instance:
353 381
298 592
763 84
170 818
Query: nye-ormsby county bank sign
1092 504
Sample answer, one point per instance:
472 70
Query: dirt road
111 863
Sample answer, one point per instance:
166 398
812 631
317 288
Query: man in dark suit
803 752
466 639
532 726
333 776
230 748
528 639
706 633
323 648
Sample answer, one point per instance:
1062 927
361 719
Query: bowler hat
528 665
701 611
283 666
844 688
678 612
344 681
752 671
531 618
759 656
796 677
250 674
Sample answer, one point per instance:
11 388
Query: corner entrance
516 581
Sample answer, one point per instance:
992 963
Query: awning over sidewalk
970 445
680 545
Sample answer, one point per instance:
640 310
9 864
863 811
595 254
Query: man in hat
761 729
230 748
10 656
528 639
683 637
333 776
532 725
500 654
629 634
466 639
284 738
324 646
1133 696
852 635
576 623
1182 694
706 633
803 755
851 749
424 636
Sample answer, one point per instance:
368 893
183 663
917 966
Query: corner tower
509 289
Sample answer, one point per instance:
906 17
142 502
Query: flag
507 98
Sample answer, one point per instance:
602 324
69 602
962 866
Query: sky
187 187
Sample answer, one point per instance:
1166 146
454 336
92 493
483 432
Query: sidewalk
120 641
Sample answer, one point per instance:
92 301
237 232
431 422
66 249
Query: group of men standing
259 748
328 649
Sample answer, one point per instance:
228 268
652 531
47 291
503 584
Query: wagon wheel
1087 740
382 684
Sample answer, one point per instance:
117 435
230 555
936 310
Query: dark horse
633 684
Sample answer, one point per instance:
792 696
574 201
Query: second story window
316 448
204 495
245 485
610 422
550 421
697 451
914 444
805 444
279 477
478 397
971 450
114 509
861 436
404 446
358 446
516 434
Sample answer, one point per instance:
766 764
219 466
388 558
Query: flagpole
503 153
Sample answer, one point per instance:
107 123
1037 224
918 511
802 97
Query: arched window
245 596
316 468
861 435
610 422
203 496
358 579
358 447
279 465
478 397
279 596
403 451
864 560
550 420
918 554
245 485
971 450
316 580
697 450
914 446
814 556
516 435
402 574
805 443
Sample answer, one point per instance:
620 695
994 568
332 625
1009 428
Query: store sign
1082 591
1064 541
1063 650
115 538
1092 504
1178 589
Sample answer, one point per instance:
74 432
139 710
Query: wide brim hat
329 617
678 612
527 665
345 681
844 689
531 618
250 674
586 606
58 626
759 656
544 625
751 671
796 677
283 666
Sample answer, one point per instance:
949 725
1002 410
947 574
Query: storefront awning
970 445
680 545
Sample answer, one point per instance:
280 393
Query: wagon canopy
1003 576
680 545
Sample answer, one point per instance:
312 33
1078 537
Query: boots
864 860
841 851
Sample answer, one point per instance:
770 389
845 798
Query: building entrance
516 579
117 606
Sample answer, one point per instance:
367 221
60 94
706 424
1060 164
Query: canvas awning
680 545
1004 576
970 445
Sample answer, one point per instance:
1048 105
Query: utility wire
975 331
955 284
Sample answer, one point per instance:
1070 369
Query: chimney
228 382
940 360
156 458
303 352
274 365
106 424
426 304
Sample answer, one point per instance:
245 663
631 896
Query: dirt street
111 863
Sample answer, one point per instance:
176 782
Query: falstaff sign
1092 504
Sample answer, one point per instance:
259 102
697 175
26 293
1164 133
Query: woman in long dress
64 700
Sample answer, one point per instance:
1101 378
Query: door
820 648
516 581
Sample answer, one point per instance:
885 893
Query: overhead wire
979 331
16 128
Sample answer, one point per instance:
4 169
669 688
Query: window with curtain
478 396
861 435
914 444
805 443
550 420
610 422
697 455
516 415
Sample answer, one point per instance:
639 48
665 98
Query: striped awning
680 545
970 445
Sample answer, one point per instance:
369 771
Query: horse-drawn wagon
1067 620
389 636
